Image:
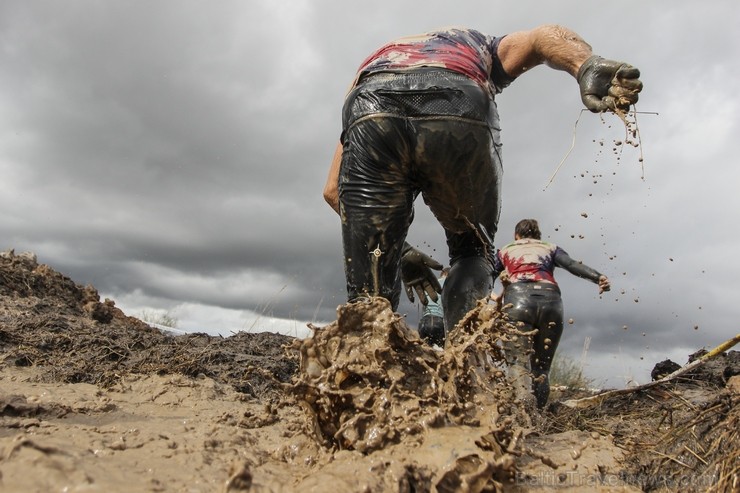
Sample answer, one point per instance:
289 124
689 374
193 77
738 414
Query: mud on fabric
434 133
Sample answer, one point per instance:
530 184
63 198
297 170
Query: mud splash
368 383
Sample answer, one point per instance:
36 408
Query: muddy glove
416 272
608 85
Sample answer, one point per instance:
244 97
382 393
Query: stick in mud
595 399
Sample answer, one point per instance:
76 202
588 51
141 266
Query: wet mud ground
94 400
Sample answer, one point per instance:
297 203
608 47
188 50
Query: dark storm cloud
173 155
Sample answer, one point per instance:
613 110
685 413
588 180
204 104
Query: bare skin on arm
331 188
556 46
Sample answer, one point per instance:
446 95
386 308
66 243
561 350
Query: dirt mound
49 321
92 399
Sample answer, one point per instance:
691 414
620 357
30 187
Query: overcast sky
173 155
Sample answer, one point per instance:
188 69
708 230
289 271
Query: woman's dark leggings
538 305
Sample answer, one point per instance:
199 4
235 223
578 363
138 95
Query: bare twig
695 455
588 401
572 145
672 459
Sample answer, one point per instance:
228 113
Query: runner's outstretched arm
604 84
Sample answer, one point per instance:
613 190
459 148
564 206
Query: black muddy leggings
430 132
538 305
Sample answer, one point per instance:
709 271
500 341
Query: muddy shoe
521 383
541 388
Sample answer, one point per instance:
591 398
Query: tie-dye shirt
530 260
461 50
527 260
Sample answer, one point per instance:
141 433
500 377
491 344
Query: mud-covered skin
434 133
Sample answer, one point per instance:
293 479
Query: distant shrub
567 373
159 318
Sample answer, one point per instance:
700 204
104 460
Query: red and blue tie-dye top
527 260
461 50
530 260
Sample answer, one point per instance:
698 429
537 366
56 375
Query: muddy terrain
94 400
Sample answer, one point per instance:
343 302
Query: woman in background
532 297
